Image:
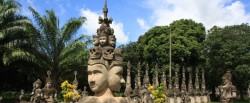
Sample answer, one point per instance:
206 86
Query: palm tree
53 47
12 32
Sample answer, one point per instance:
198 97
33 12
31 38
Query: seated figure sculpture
49 93
36 92
104 65
226 91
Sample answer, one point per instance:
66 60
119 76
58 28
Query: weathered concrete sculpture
85 92
75 81
128 90
146 98
36 92
156 76
226 91
146 77
21 97
163 79
104 65
49 93
139 75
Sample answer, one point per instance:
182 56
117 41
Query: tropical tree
229 48
13 34
187 37
53 47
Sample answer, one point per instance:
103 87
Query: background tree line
28 49
215 50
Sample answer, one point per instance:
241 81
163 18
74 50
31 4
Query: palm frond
71 27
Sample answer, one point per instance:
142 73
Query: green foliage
52 46
229 48
158 94
10 95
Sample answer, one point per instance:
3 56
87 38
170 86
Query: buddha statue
226 91
36 92
21 97
49 94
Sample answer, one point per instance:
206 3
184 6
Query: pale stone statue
104 65
36 92
21 97
139 75
146 98
49 94
85 92
226 91
128 90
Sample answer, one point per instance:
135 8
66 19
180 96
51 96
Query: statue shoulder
89 99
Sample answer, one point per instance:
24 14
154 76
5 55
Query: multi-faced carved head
108 53
98 77
103 40
95 53
115 78
96 40
112 40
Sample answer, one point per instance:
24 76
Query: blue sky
133 18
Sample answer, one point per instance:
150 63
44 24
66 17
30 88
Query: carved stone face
96 40
103 40
48 85
112 40
225 81
115 78
37 85
97 77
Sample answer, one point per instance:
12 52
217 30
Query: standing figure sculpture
248 92
104 65
226 91
36 92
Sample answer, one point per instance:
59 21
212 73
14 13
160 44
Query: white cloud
91 25
142 23
62 10
208 12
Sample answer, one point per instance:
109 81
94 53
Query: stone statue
226 91
85 92
128 90
49 94
139 75
146 98
156 76
104 65
36 92
146 77
21 97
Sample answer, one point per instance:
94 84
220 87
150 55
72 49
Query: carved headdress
104 51
228 75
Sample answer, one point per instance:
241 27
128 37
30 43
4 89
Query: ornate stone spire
183 85
203 85
104 51
48 79
128 89
75 82
163 78
197 87
156 76
146 77
139 74
190 83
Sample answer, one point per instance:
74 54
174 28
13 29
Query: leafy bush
158 94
